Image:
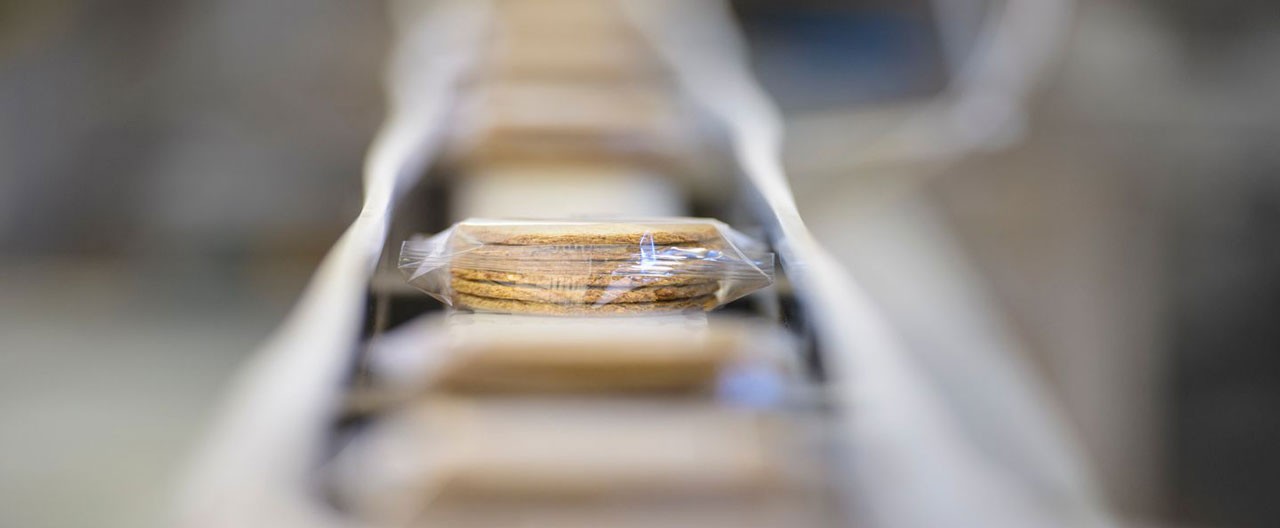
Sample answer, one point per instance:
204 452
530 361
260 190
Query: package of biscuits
587 267
554 120
736 361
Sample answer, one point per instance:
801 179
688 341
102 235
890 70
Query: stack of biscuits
690 354
671 355
606 123
566 82
588 268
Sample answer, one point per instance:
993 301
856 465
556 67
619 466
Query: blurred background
1088 185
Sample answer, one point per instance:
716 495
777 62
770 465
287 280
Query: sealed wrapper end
579 267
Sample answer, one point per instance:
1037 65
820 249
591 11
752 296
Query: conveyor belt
375 405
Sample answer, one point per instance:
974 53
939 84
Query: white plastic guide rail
257 468
908 463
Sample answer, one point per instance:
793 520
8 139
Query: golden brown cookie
587 253
596 275
589 233
487 304
584 378
582 295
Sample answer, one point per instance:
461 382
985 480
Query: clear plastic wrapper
585 267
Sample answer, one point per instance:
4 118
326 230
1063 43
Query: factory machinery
376 404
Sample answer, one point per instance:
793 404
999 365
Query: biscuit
589 253
581 377
589 233
538 148
595 275
607 121
582 295
566 358
488 304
